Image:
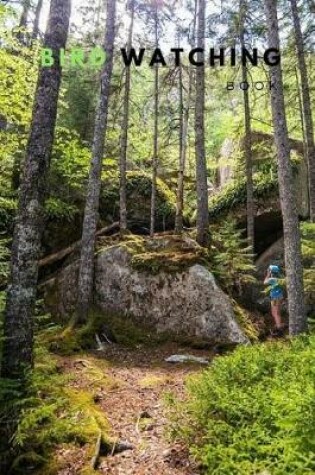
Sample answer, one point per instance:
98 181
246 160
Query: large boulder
184 303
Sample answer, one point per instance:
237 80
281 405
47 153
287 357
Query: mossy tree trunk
17 356
248 136
306 103
124 132
292 238
86 272
18 323
201 163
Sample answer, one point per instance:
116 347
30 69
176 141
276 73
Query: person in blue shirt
276 296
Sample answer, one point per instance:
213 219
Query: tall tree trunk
301 107
247 139
201 163
38 10
292 238
182 157
183 137
86 273
18 323
23 20
124 133
156 131
307 110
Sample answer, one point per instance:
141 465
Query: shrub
232 261
253 412
308 248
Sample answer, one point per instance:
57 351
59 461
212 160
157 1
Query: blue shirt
276 290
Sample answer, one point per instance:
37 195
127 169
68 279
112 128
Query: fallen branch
96 455
58 256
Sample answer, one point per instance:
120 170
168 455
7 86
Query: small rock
97 397
145 415
122 446
186 359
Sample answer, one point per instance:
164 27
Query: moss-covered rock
159 284
232 198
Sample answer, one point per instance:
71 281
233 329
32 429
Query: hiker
276 297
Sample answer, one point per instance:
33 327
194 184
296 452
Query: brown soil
136 409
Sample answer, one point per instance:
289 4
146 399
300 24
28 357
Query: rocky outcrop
187 303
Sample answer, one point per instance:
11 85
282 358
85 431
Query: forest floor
135 404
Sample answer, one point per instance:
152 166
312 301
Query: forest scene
157 237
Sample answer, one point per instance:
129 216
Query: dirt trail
137 414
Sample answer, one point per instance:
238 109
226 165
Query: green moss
244 319
129 334
55 414
167 253
170 262
72 340
234 194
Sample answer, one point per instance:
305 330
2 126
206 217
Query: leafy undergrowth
253 412
58 416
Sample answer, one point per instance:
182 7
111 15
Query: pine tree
21 295
292 238
124 130
306 106
86 273
38 11
155 159
201 163
248 135
183 135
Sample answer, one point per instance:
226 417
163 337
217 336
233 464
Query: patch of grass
153 381
253 411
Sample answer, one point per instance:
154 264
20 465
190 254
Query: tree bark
86 273
183 138
292 238
23 20
201 163
307 110
182 157
18 323
124 133
38 10
247 139
156 131
301 108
